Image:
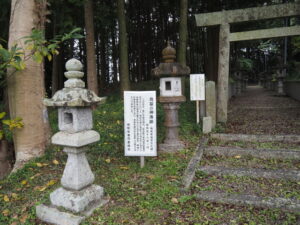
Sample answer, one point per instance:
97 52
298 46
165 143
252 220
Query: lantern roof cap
74 93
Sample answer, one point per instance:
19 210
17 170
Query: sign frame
140 131
197 87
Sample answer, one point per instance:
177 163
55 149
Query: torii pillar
223 73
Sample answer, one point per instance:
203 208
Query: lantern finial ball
74 65
169 54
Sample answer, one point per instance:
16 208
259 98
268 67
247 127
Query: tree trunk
183 32
92 80
26 88
124 73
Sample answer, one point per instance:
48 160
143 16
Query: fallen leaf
5 212
151 177
14 195
23 218
174 200
39 164
124 168
34 176
55 162
51 182
237 156
43 188
107 160
6 198
45 164
24 182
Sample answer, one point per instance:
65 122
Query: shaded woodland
149 25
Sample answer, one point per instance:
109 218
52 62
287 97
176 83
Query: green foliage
39 48
245 64
11 124
268 46
295 41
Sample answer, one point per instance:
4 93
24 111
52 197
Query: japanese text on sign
197 87
140 123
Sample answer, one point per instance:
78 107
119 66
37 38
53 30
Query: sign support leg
197 111
142 161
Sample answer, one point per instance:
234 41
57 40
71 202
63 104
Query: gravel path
259 111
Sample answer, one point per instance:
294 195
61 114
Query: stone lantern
170 73
78 196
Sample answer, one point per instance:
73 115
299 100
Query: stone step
189 172
284 204
257 138
293 175
257 153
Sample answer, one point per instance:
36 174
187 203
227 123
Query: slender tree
183 32
92 80
26 88
123 46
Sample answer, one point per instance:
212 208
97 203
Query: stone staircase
263 178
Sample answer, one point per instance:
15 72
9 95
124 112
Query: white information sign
140 123
197 87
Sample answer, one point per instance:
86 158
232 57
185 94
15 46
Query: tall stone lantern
170 73
78 196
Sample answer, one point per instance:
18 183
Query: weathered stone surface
293 175
74 65
77 194
258 138
78 139
258 153
54 216
223 73
76 201
77 173
189 172
265 33
207 125
171 147
210 101
171 142
73 97
255 13
74 119
290 205
74 83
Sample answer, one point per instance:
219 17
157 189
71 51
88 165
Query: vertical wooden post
142 160
223 72
197 112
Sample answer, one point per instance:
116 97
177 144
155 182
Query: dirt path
259 111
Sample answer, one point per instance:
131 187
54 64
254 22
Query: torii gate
224 19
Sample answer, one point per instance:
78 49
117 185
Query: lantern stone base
76 201
171 147
65 203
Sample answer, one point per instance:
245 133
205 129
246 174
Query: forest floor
149 195
259 111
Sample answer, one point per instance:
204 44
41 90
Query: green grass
255 145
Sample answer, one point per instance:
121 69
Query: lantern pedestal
171 106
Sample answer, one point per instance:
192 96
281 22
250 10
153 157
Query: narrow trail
259 111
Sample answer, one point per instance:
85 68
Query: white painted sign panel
197 87
140 123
